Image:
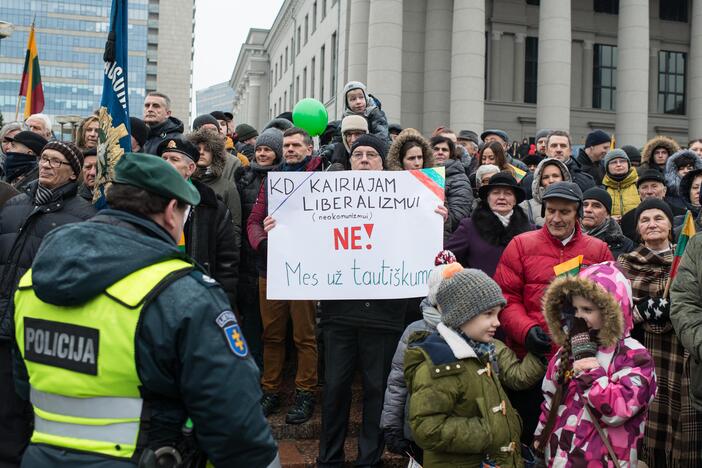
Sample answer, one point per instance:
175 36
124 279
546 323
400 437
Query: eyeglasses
368 154
54 163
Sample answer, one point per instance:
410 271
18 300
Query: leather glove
654 309
537 341
395 441
581 342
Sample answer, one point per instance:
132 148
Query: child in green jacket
459 412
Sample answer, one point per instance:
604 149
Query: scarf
296 167
598 230
504 219
43 195
17 164
484 351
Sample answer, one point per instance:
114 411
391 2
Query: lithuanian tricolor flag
569 267
31 87
688 230
518 173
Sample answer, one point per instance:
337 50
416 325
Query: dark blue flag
115 92
114 139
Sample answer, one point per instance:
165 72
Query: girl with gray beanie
459 412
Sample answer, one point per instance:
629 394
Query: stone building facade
630 67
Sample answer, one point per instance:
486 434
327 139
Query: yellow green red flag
518 173
569 267
31 87
688 230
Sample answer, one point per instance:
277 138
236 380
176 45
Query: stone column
255 103
495 42
519 60
437 65
468 65
653 79
553 88
358 40
632 90
385 55
588 63
694 87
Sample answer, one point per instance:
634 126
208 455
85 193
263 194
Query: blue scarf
485 351
296 167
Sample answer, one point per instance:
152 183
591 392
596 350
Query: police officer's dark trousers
15 413
346 349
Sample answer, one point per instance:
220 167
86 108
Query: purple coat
480 240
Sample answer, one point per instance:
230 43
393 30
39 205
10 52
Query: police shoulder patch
232 332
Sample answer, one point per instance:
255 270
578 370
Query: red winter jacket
526 269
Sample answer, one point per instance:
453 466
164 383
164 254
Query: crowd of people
501 364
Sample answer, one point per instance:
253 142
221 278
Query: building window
285 97
292 50
607 6
299 39
281 66
324 9
297 88
312 71
307 28
533 2
332 80
275 109
604 78
531 67
291 97
280 104
286 58
314 17
321 73
673 10
276 74
671 82
304 82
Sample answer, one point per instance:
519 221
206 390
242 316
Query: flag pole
19 98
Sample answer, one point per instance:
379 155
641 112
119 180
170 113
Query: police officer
124 341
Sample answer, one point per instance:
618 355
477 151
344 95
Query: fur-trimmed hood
606 286
409 134
536 190
672 179
215 144
656 142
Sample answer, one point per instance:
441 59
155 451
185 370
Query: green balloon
310 115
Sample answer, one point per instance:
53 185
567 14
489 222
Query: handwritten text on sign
353 234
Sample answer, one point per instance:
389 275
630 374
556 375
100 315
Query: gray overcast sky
221 26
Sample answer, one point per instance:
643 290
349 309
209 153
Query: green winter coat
686 312
458 412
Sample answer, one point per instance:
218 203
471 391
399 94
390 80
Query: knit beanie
596 137
614 154
373 141
279 123
272 138
601 195
354 122
140 131
484 170
73 155
543 133
203 119
466 294
633 153
245 131
650 204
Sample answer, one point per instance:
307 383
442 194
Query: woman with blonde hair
87 134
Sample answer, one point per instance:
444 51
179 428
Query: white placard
353 234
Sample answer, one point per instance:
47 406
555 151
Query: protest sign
353 234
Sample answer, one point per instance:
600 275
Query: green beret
155 175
